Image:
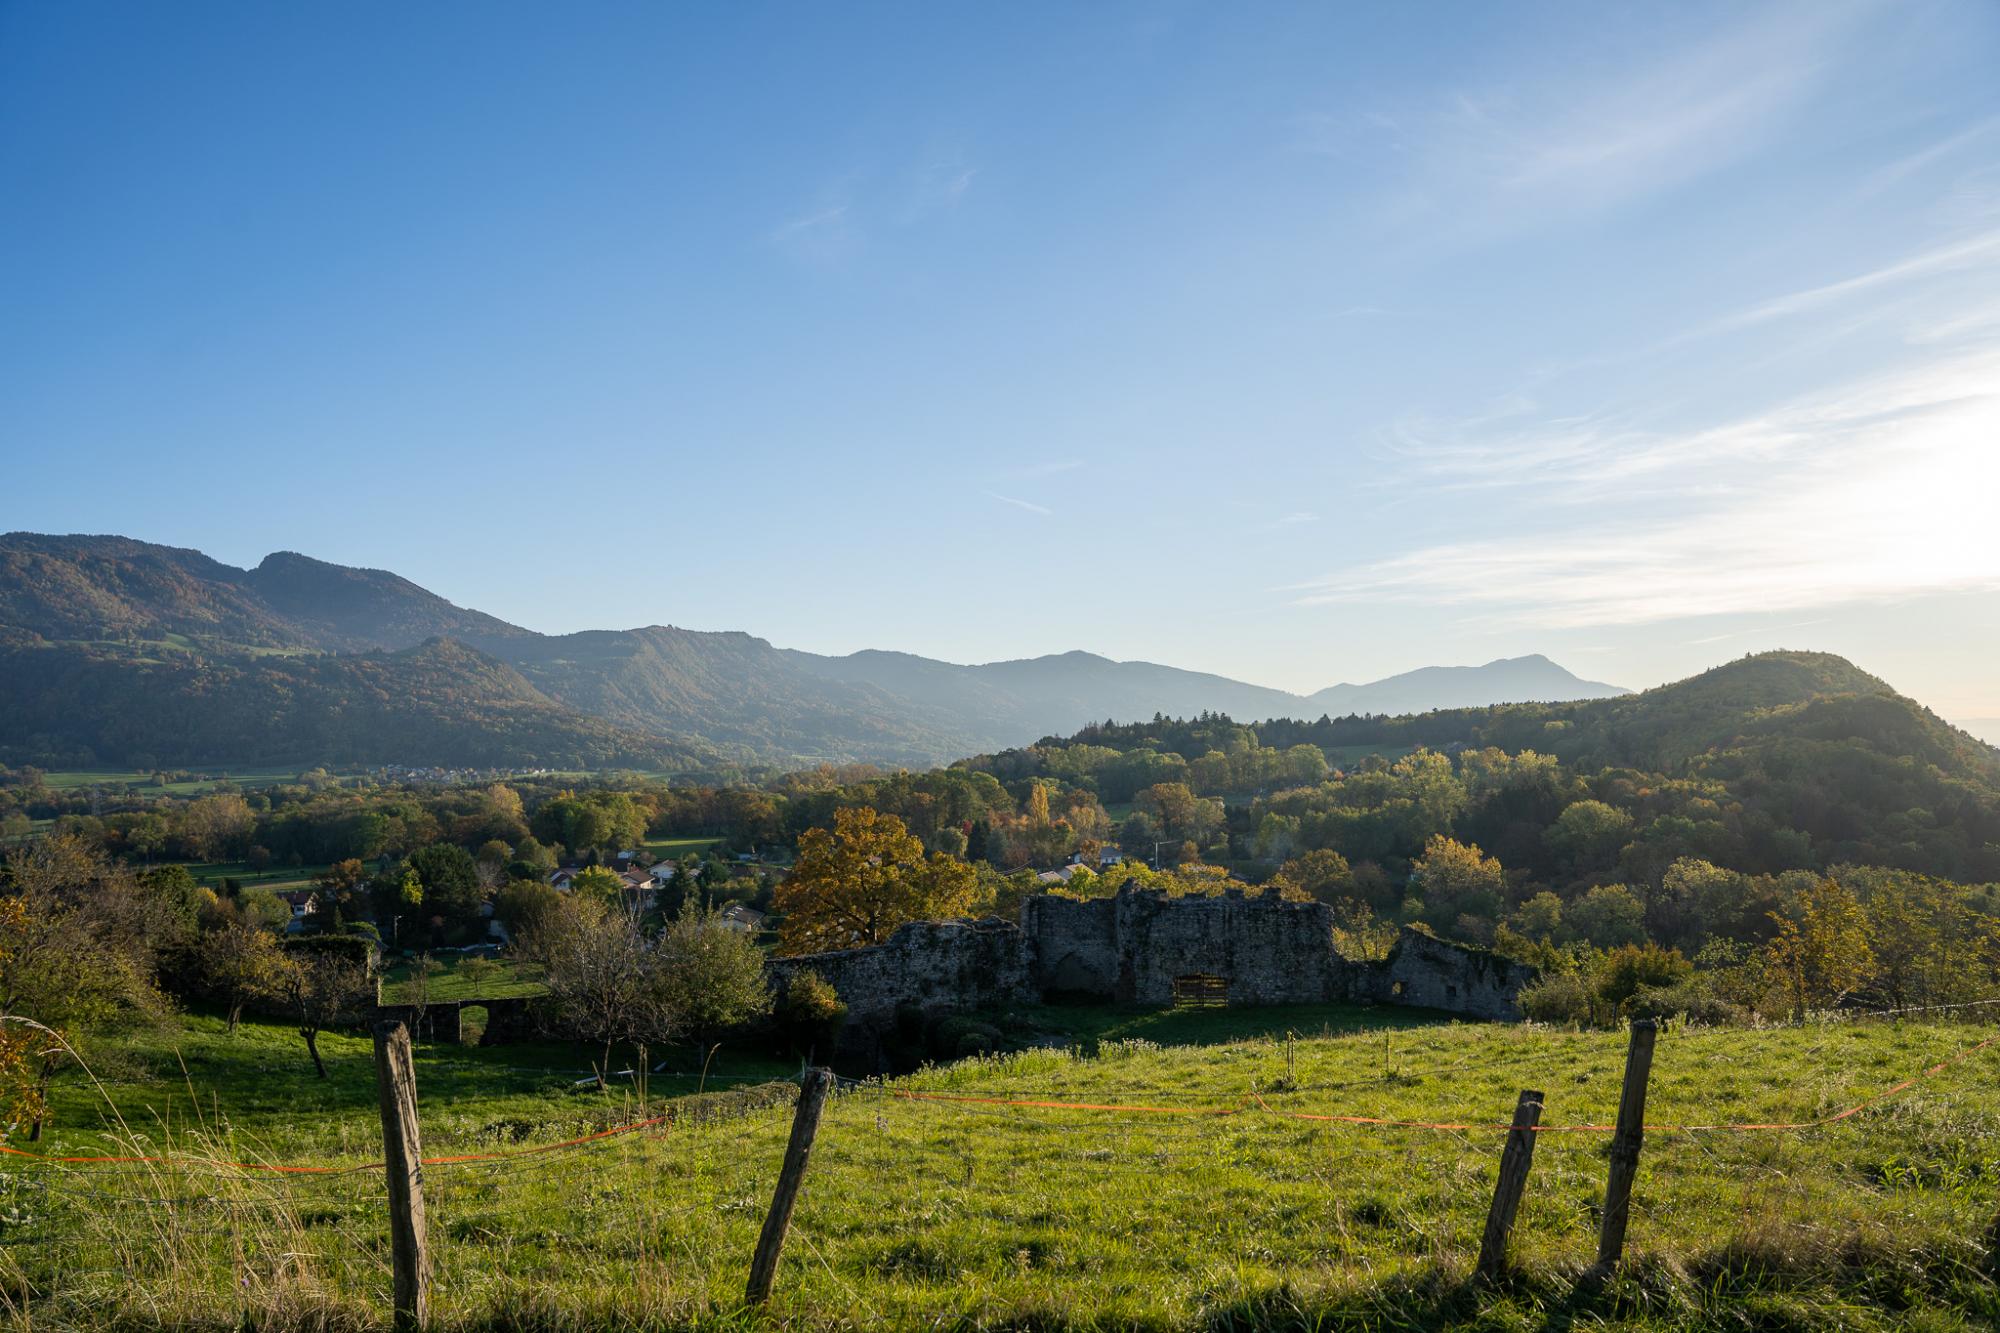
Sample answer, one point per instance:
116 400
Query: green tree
239 963
811 1013
1609 915
1822 950
322 989
1589 835
709 976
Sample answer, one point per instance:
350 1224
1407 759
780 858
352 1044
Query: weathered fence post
1515 1160
402 1157
805 1124
1625 1144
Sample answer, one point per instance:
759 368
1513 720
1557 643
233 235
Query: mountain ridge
115 599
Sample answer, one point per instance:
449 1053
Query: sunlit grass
980 1214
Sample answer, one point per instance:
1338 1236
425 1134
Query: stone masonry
1131 948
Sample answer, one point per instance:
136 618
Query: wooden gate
1201 990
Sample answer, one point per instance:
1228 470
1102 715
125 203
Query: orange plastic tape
277 1169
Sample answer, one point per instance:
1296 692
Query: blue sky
1300 343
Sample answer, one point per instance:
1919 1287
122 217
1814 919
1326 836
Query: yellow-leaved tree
1823 952
855 884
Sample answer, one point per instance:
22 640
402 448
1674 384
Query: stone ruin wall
1131 947
937 964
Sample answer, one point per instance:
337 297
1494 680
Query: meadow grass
971 1214
72 779
513 980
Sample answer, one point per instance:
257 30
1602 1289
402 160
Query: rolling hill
1795 750
105 637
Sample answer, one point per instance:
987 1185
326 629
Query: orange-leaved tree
856 883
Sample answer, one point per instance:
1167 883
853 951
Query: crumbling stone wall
1435 974
936 964
1130 948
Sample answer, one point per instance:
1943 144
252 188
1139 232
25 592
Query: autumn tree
216 824
322 988
1822 951
74 952
341 890
856 883
596 968
1322 875
1459 884
239 963
1929 946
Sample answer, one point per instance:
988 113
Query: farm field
1193 1198
510 980
72 779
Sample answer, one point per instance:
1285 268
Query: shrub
1558 997
1624 970
1688 999
353 948
958 1037
810 1015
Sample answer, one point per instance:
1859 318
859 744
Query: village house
740 917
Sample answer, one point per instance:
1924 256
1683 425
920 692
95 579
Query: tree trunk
41 1102
235 1014
312 1047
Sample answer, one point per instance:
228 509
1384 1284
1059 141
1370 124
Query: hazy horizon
1294 345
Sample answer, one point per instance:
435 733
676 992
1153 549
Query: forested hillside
113 609
440 703
1773 762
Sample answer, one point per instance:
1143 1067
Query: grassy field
660 849
72 779
512 981
964 1214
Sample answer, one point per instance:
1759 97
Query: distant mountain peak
730 688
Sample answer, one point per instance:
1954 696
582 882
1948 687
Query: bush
1687 999
353 948
1558 997
958 1037
1628 968
810 1015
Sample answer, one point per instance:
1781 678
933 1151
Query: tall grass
934 1214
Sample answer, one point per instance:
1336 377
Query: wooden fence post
1625 1144
805 1124
1515 1160
402 1156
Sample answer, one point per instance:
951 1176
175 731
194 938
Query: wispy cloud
1029 505
1956 255
1912 164
1861 489
1748 633
820 235
1528 147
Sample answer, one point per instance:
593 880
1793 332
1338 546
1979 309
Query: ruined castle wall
1073 946
1269 951
936 964
1422 970
1131 948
